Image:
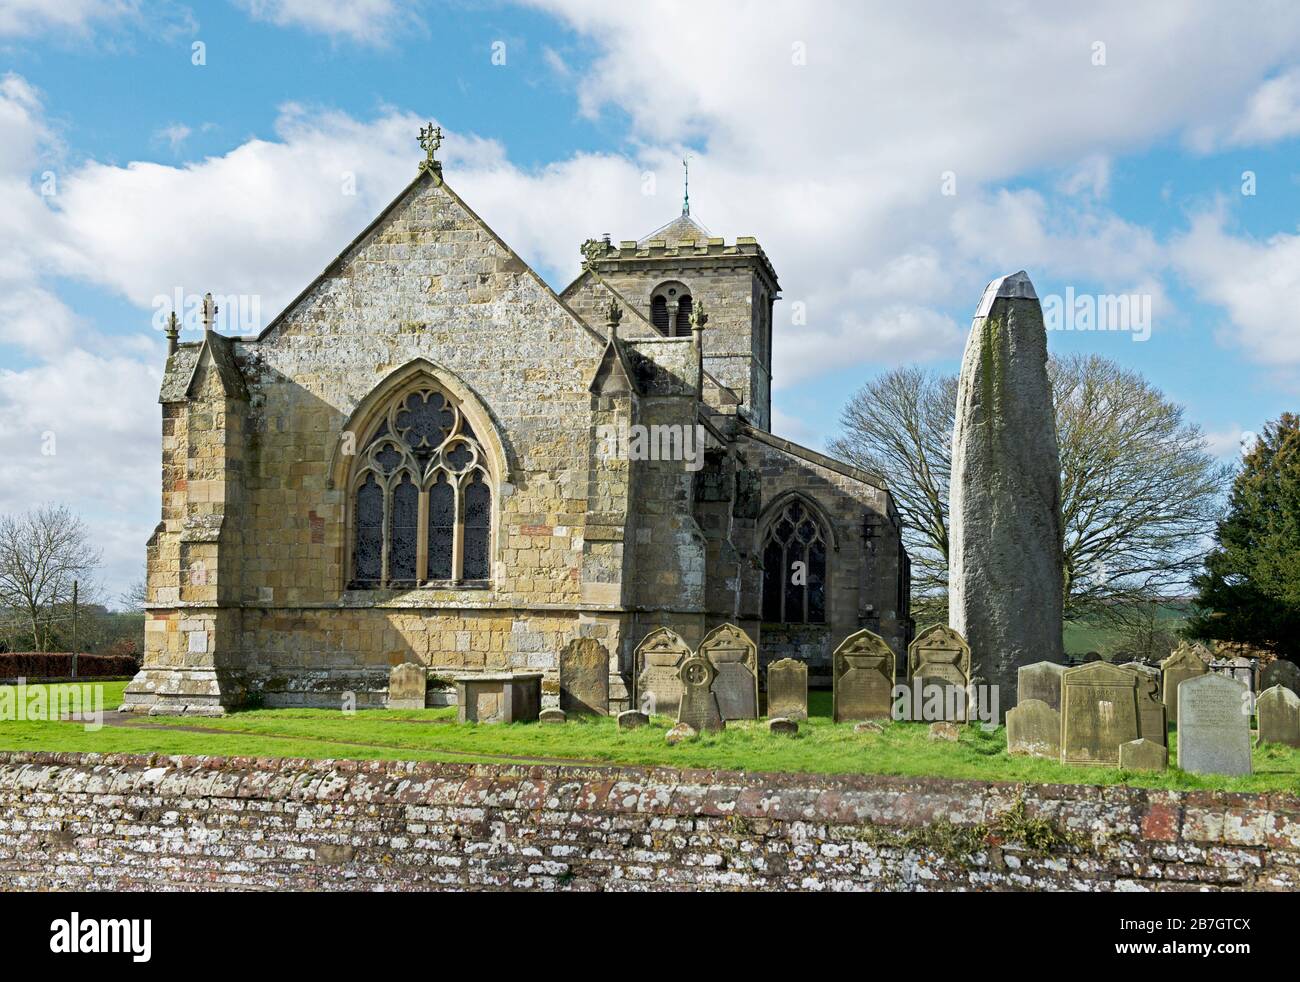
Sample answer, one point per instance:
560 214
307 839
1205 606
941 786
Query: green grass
820 747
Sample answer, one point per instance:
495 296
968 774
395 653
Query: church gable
429 262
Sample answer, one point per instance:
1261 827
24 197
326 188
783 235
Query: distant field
1082 637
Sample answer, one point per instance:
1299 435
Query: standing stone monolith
1005 590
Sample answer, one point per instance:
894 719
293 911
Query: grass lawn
433 734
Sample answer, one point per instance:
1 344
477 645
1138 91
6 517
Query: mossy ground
821 746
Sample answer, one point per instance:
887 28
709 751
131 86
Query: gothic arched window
420 497
794 567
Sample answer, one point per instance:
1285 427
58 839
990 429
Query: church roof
684 228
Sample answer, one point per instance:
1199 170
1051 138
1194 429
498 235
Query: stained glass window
794 567
421 497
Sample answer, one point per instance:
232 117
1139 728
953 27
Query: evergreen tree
1250 589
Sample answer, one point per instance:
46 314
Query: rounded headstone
783 726
632 719
552 716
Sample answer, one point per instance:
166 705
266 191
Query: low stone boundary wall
89 821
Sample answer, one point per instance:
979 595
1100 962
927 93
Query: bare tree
134 597
1140 493
900 425
42 553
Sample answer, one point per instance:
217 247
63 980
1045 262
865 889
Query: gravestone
862 676
1004 555
940 657
1214 726
1143 755
787 689
406 686
1034 729
734 658
1152 719
552 716
1099 711
1185 663
584 678
1279 716
657 666
1042 681
632 719
783 726
699 704
1280 672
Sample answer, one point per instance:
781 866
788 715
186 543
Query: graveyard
820 747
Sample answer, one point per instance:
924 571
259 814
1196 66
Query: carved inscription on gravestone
940 657
862 673
584 678
699 704
734 658
657 666
1099 711
787 689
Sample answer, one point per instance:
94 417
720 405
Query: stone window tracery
670 309
420 497
794 567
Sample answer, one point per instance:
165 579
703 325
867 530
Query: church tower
679 265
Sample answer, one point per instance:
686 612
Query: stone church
430 456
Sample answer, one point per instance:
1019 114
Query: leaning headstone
862 676
584 678
940 657
406 686
1152 719
632 719
1143 755
657 664
1279 716
1214 726
1185 663
699 705
1034 729
787 689
1005 561
783 726
1280 672
735 659
1042 681
1099 711
552 716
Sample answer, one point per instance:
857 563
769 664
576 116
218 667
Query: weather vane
686 194
430 141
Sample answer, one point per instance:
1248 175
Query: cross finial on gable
430 141
686 187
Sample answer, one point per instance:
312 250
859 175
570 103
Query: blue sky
833 132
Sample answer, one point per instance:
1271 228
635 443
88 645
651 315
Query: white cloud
24 18
174 135
1256 282
372 22
1272 112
